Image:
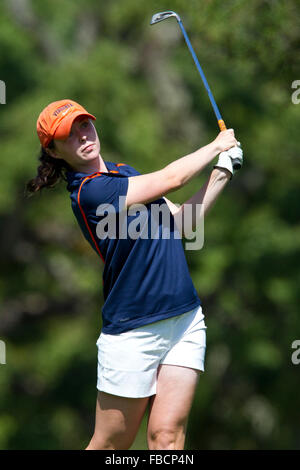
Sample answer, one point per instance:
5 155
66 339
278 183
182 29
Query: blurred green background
151 107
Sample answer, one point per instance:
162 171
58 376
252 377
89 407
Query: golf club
168 14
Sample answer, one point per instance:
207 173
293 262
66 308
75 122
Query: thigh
169 408
117 421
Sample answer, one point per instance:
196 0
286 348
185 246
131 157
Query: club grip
222 125
235 163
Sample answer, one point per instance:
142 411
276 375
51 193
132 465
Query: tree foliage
151 109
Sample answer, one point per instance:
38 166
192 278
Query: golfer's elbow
177 183
175 179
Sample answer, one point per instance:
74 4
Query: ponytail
49 172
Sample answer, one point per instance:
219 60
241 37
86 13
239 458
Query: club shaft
210 95
236 164
221 123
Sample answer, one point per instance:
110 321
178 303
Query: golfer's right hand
225 140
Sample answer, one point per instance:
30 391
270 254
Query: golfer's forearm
185 168
207 195
213 188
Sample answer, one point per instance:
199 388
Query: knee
166 438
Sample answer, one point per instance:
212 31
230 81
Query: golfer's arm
207 195
147 188
187 167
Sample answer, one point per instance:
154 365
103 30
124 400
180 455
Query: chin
92 155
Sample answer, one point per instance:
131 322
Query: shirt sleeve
104 190
130 171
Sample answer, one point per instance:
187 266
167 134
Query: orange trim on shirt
113 171
84 216
120 164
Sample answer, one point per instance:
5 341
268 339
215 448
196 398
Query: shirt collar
73 177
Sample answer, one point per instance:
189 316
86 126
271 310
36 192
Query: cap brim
63 130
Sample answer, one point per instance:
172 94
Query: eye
85 123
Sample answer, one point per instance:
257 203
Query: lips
88 148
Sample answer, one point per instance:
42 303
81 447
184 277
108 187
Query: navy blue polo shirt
145 277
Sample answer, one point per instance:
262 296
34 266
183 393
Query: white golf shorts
128 362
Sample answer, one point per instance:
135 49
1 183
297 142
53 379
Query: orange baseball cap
55 121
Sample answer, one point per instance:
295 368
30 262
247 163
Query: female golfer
152 344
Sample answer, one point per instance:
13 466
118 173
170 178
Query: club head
163 15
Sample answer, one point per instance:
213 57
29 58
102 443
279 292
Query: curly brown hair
49 172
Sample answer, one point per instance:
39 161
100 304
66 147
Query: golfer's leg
170 407
117 421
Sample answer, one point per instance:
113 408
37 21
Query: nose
81 134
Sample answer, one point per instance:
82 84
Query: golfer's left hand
236 153
226 158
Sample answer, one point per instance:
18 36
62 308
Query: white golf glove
226 158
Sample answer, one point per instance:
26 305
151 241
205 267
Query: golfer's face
82 143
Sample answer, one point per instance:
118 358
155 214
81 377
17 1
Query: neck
92 166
